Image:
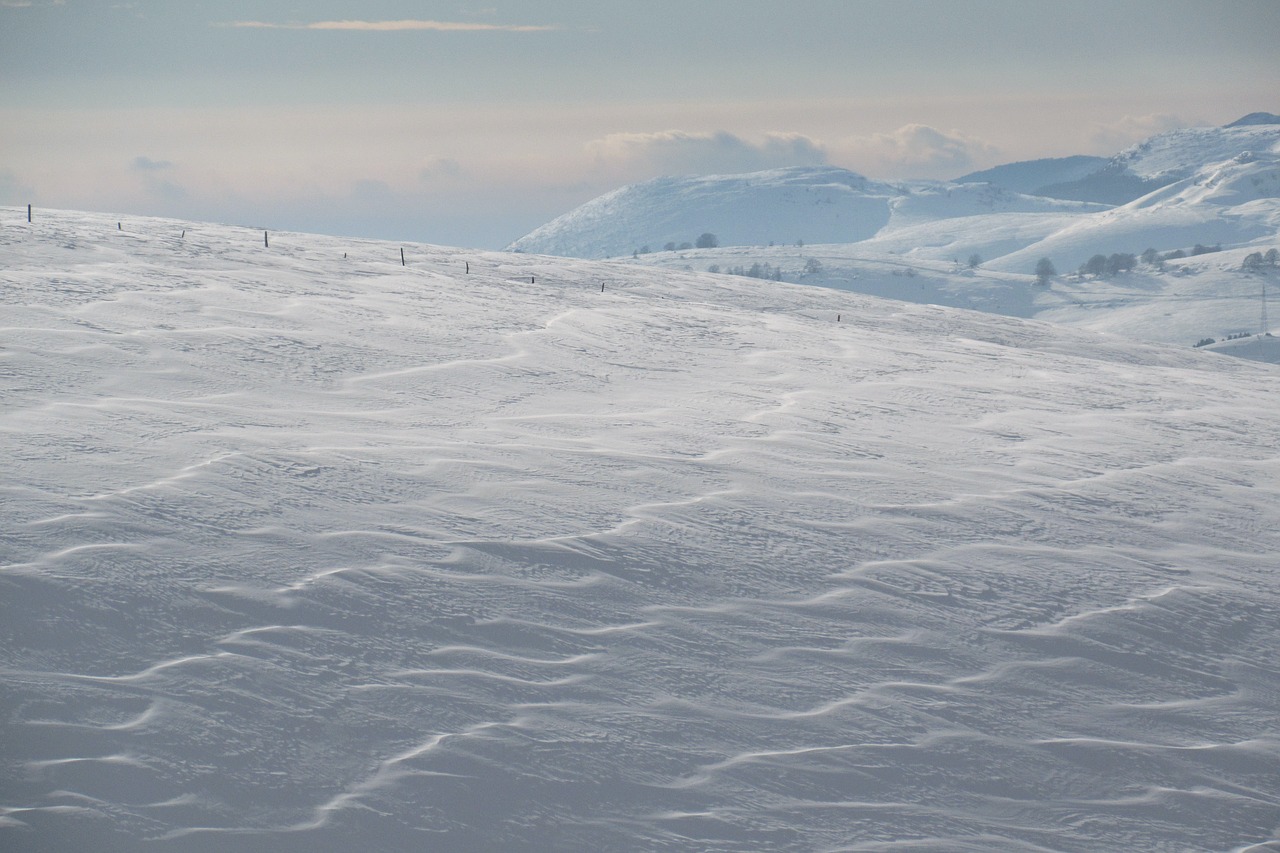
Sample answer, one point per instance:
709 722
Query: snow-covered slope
1232 203
306 550
1166 158
782 206
812 204
1030 176
930 203
922 256
829 205
1178 154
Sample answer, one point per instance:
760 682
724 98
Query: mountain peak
1255 118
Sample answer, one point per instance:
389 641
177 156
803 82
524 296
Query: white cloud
679 152
396 26
915 151
1117 135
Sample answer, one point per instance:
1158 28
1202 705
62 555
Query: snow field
305 552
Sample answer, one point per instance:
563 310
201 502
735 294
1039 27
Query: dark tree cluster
706 241
1045 270
1255 261
1101 266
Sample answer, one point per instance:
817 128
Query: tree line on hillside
1105 266
706 241
1255 261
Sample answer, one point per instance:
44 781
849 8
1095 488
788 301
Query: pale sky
472 123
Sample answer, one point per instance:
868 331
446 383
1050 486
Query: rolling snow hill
1234 205
828 205
1143 168
309 548
808 204
815 204
1032 176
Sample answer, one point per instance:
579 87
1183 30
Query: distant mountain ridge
806 204
1142 168
1030 176
809 203
1255 118
826 204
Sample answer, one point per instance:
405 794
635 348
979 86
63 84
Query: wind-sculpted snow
305 552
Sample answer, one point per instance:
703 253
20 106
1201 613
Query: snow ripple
310 553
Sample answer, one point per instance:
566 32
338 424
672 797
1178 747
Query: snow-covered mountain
1233 206
1232 203
1033 176
809 204
925 234
828 205
309 548
1147 166
813 204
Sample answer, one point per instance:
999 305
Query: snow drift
306 550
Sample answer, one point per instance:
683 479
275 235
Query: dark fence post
265 241
28 213
402 263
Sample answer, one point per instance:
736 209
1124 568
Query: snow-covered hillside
1032 176
1178 154
308 550
828 205
781 206
922 254
1142 168
812 204
1233 203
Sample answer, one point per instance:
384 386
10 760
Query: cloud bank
679 152
1112 137
915 151
912 151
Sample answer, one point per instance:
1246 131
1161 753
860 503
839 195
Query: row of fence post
266 242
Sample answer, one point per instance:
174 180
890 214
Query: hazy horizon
458 125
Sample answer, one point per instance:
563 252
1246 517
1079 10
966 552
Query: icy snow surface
305 552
